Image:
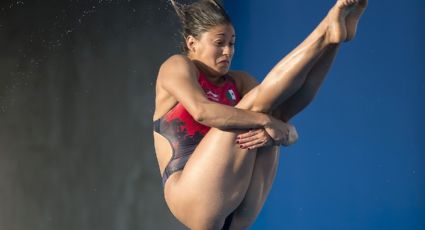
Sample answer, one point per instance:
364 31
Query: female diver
217 131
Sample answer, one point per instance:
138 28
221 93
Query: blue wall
359 163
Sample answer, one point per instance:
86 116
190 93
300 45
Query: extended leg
290 74
309 89
317 74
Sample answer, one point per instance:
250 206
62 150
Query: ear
191 43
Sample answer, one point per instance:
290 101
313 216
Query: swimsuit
184 133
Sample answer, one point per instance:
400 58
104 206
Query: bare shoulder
176 65
244 81
174 73
177 59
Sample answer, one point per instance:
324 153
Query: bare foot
353 18
337 28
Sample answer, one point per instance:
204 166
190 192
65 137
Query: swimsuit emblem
212 96
231 95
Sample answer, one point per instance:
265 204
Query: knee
251 101
199 211
200 215
199 221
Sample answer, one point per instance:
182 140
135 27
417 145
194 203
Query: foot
337 30
353 18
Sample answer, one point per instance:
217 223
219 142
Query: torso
177 133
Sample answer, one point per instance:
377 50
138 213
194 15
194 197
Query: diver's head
208 34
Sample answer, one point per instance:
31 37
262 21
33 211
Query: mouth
226 62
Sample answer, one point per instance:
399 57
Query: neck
210 74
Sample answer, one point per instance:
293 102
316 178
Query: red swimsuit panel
183 132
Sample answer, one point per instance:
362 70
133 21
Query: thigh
214 181
265 168
216 177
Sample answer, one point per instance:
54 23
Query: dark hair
199 17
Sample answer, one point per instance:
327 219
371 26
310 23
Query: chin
222 71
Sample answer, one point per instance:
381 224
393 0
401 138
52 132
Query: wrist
266 121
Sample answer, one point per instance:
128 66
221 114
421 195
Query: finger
244 136
247 139
255 143
261 137
248 134
256 146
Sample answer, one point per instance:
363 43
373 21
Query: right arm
178 77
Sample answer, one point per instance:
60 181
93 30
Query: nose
228 51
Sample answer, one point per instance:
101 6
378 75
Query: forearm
226 117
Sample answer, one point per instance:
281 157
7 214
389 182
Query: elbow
199 114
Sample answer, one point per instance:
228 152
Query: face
214 48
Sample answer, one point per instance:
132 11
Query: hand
253 139
282 133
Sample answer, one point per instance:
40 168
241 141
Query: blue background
359 162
